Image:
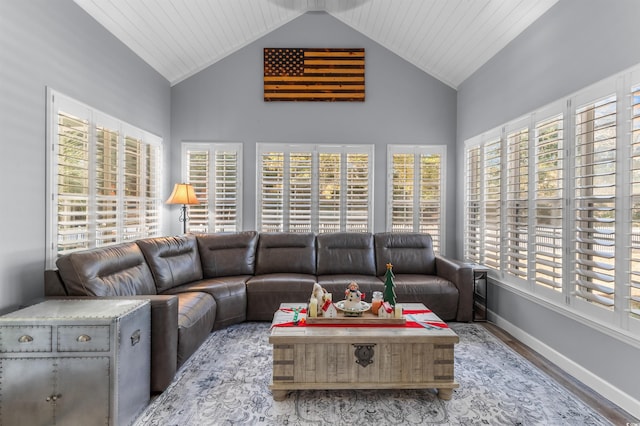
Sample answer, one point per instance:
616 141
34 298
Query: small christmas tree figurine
389 286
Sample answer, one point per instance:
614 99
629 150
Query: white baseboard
610 392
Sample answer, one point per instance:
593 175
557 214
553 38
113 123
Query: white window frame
633 319
417 151
315 150
473 201
214 148
492 247
57 103
516 251
549 291
592 95
566 299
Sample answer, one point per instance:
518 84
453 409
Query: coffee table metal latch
364 354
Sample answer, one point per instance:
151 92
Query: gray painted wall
55 44
403 106
575 44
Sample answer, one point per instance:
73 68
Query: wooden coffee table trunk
316 357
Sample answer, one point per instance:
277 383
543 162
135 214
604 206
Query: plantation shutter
72 183
473 212
595 192
517 207
430 198
308 188
271 192
103 180
213 169
634 274
402 193
583 224
199 176
133 157
300 192
357 193
492 199
153 190
106 182
227 191
416 191
330 192
343 189
548 214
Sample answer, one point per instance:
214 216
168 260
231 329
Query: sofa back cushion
409 253
173 260
346 253
227 254
118 270
286 252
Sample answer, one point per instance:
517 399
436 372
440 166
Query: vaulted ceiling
448 39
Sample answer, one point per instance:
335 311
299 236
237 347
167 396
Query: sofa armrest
53 285
164 340
461 275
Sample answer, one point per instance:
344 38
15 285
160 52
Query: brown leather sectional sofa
202 282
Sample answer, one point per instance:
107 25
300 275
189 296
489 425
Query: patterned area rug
226 383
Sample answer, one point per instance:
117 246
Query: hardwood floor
607 409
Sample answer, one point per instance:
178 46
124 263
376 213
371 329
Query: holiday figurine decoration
329 309
353 296
389 286
319 294
385 311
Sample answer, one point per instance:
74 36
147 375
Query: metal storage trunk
75 362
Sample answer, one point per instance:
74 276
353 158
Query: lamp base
184 218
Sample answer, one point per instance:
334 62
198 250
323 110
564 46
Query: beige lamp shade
183 193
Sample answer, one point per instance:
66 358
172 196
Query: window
314 188
416 190
570 218
634 270
595 201
103 179
473 205
548 213
492 203
215 171
483 199
517 209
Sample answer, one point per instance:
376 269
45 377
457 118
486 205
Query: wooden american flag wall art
329 75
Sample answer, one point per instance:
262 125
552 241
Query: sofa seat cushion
266 292
196 315
117 270
337 284
227 254
437 294
230 294
173 260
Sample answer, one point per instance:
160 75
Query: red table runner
418 318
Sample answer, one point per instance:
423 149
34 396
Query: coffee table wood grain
323 357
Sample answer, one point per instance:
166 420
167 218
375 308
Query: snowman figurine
353 296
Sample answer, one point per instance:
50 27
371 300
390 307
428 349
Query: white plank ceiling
448 39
